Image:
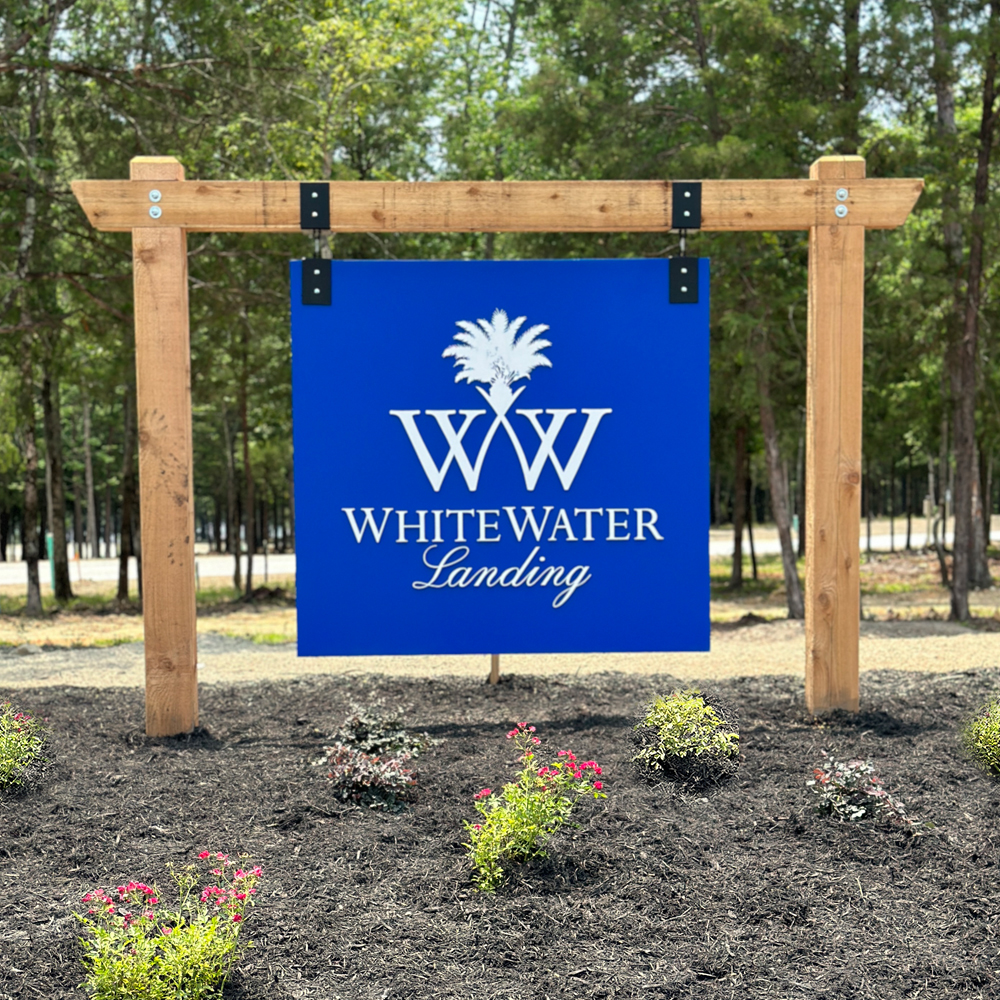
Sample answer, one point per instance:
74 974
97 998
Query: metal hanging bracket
686 197
683 280
314 215
316 286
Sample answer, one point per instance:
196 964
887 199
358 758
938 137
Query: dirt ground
736 891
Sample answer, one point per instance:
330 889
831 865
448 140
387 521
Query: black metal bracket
683 280
316 285
686 212
314 206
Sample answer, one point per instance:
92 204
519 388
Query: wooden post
833 447
494 668
166 499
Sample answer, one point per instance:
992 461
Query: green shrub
518 820
22 741
684 737
378 731
138 948
981 737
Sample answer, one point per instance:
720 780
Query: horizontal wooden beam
496 206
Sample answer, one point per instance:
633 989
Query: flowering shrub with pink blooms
518 820
851 791
135 946
22 740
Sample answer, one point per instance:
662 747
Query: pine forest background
494 89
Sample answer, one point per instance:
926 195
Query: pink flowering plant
22 743
136 946
852 791
518 820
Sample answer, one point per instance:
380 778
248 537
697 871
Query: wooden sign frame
836 205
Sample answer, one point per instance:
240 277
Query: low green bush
981 737
687 738
135 946
22 745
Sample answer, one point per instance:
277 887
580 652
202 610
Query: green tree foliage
483 89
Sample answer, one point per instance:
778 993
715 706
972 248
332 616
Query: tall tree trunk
290 538
77 517
88 471
748 487
980 577
29 522
908 501
128 500
964 386
251 514
800 486
57 484
779 485
4 531
232 516
109 520
850 94
739 505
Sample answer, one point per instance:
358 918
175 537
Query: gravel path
767 648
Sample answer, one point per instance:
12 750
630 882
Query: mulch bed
733 891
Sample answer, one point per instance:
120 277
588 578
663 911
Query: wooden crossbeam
497 206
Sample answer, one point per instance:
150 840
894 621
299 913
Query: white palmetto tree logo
498 354
493 353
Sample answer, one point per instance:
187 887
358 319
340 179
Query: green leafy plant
684 737
378 730
518 820
135 947
22 743
368 779
852 791
981 737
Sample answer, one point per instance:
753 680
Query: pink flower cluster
523 729
233 898
573 768
136 893
485 793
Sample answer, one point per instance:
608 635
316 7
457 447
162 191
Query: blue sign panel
501 457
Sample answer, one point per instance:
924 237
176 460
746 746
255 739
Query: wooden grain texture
163 386
498 206
833 453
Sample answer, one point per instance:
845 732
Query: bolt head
684 288
155 211
155 196
842 194
840 211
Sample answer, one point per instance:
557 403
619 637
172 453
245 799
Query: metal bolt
315 291
315 194
155 195
315 270
841 194
687 214
155 211
684 288
315 214
687 194
684 270
840 211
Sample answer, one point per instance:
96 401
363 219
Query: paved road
221 567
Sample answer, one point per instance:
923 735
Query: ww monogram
531 472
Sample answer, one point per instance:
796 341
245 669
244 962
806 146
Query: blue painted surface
616 344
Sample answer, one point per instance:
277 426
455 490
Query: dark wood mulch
735 891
